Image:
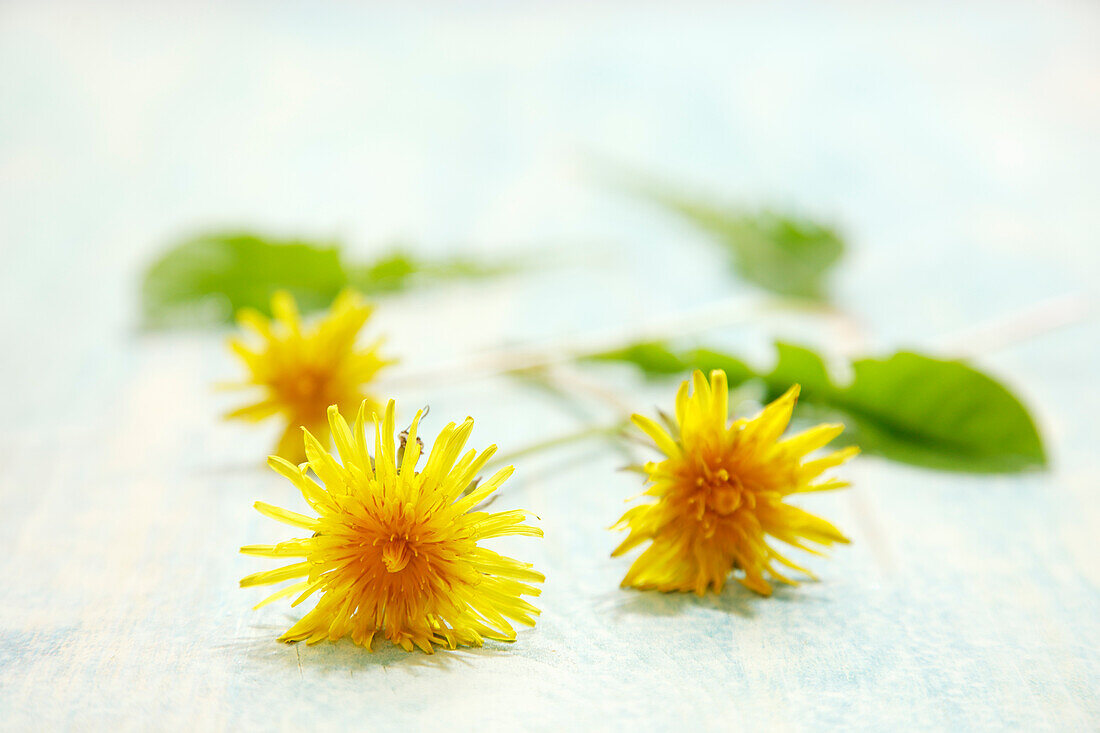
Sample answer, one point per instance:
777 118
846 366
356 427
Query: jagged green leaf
907 407
784 253
399 270
210 277
798 365
707 360
938 413
656 359
207 279
653 358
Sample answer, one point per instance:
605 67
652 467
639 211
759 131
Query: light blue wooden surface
956 145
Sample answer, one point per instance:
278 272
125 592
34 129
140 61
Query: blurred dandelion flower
395 550
304 370
720 493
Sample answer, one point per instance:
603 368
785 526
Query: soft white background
955 144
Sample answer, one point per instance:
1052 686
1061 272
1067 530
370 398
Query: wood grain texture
958 150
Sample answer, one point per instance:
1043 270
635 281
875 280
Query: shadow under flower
341 656
734 598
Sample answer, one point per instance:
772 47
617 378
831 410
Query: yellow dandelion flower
720 494
304 370
395 550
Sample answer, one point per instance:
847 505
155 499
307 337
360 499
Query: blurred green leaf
706 360
207 279
907 407
210 277
399 270
785 254
654 358
796 364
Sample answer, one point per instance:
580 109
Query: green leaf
802 366
653 358
783 253
399 271
707 361
907 407
940 414
209 278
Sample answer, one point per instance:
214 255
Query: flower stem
560 440
723 313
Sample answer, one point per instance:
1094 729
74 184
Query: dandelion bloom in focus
395 551
721 493
302 370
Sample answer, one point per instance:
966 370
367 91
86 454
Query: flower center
306 385
306 389
396 553
720 492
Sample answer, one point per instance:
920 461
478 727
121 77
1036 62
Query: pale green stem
543 445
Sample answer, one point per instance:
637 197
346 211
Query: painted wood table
955 147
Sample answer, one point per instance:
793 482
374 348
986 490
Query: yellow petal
283 515
285 311
269 577
663 440
766 427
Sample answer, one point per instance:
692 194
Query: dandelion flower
302 371
394 551
720 494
